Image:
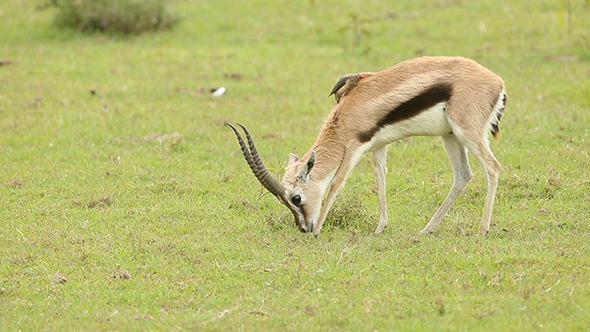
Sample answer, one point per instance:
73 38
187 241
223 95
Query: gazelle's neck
329 148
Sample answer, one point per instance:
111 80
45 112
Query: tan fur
475 91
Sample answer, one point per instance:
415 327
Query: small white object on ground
219 92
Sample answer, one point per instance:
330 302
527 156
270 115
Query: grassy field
105 226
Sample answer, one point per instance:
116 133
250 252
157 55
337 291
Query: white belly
430 122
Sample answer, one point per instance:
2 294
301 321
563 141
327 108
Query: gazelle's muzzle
300 221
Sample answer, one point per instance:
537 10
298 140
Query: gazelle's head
297 191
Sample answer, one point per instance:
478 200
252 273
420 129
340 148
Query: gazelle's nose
303 228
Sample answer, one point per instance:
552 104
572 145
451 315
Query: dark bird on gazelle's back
344 85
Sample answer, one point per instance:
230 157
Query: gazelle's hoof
380 229
483 233
426 232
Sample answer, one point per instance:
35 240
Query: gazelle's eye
296 200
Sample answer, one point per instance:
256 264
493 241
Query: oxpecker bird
345 84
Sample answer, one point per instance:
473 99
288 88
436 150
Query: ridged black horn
256 165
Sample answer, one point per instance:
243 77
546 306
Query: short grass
102 229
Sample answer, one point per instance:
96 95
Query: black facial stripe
410 108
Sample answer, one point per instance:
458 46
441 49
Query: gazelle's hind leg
462 174
380 164
481 151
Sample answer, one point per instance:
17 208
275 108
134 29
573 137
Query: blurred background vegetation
121 16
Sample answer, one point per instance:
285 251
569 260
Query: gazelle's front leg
346 166
380 164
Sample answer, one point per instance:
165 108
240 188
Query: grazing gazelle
452 97
344 85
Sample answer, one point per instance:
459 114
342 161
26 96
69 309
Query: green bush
125 16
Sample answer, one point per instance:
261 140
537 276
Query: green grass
103 230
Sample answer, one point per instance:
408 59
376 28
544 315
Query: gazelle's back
465 86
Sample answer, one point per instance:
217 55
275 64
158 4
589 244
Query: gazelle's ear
306 169
292 159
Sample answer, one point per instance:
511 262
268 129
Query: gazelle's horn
256 165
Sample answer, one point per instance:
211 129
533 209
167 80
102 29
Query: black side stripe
410 108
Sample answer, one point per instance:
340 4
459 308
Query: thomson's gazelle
452 97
